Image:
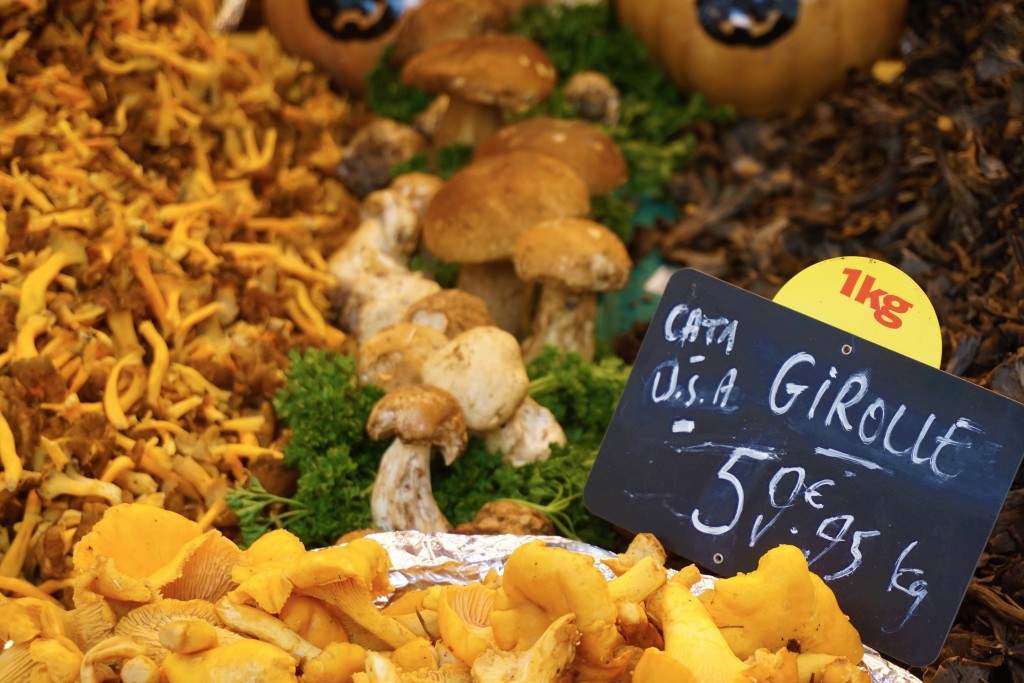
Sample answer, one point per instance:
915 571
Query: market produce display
182 604
231 295
169 242
167 197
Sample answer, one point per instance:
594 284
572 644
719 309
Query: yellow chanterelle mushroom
782 604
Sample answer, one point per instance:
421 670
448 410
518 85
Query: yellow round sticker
870 299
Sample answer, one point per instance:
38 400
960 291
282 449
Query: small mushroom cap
374 150
450 311
584 147
483 369
437 21
420 414
594 97
478 213
392 357
576 253
500 69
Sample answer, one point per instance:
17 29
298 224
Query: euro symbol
811 493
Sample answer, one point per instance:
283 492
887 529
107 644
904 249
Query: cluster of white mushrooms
515 220
448 370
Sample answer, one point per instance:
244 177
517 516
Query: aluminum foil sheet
420 560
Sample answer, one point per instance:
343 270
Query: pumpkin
345 37
764 56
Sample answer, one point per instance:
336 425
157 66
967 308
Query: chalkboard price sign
745 424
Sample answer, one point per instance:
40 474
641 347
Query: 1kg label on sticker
870 298
746 424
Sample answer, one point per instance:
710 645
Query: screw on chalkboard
846 349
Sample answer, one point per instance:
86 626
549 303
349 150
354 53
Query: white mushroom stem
528 436
388 233
372 267
418 188
508 298
374 303
403 497
397 213
565 319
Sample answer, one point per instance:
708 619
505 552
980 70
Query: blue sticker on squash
751 23
357 19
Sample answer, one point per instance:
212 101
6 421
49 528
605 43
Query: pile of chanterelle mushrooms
168 198
532 262
173 221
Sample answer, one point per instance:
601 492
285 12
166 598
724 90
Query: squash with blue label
764 56
343 36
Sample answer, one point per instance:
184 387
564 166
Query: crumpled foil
420 560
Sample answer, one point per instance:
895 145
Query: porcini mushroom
594 97
436 21
573 259
419 418
418 189
483 369
482 75
378 302
388 233
582 146
373 151
450 311
392 357
476 216
527 436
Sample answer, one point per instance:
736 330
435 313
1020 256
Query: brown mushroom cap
450 311
392 357
576 253
478 213
420 414
437 21
594 97
501 69
584 147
